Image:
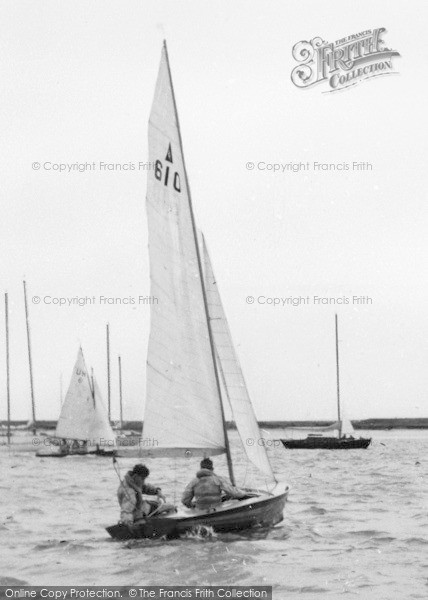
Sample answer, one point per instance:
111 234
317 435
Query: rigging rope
116 468
175 480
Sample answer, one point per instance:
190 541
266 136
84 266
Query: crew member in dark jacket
207 487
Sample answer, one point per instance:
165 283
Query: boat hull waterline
326 443
48 453
234 515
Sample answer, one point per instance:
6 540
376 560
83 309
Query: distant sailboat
83 426
345 439
189 343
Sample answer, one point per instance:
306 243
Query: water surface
356 524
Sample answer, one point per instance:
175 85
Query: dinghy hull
55 451
327 443
263 511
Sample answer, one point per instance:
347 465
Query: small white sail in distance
233 377
347 427
317 428
83 416
183 414
343 427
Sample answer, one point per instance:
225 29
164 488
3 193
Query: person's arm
230 490
131 483
151 490
187 496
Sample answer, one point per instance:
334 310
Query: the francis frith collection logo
343 63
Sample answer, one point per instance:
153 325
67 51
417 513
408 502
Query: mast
33 405
108 371
6 306
120 394
91 384
91 381
223 379
198 255
337 378
60 389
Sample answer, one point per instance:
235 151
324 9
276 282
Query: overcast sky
77 85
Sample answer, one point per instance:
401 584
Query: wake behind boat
345 439
190 347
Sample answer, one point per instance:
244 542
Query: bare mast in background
60 390
120 394
33 404
108 371
337 379
6 307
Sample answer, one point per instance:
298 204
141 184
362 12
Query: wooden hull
57 453
264 511
327 443
51 455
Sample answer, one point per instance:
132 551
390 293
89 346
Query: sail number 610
160 176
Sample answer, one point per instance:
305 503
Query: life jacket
207 490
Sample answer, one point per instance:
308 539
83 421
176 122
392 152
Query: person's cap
207 463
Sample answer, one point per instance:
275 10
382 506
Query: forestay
83 416
183 411
234 382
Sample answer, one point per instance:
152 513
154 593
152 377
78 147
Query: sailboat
345 439
190 346
83 426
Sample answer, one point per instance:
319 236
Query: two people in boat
205 491
130 496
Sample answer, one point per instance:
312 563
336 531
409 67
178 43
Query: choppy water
356 525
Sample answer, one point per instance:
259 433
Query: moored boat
345 439
321 442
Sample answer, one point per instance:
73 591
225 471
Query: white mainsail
234 382
183 407
83 416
